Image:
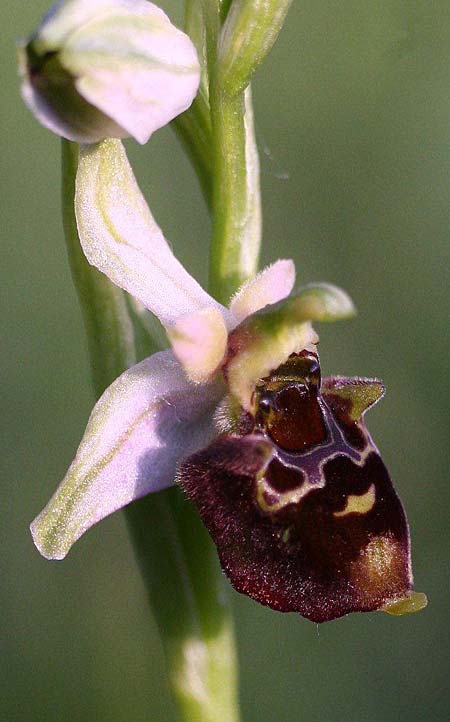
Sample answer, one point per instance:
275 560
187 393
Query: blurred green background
352 112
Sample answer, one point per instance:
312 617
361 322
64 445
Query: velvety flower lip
299 502
161 410
108 68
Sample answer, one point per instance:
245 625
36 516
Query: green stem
236 233
249 29
177 559
194 126
237 207
185 589
193 129
218 135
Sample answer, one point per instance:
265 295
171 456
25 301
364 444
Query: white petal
135 66
118 96
122 239
199 342
145 422
65 16
271 285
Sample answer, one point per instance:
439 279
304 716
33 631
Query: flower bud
107 68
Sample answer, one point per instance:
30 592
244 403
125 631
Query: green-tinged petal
145 422
263 341
352 396
122 239
271 285
414 602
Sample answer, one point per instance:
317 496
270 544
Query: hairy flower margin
189 408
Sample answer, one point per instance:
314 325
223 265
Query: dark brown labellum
302 508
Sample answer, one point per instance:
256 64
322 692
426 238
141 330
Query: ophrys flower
273 460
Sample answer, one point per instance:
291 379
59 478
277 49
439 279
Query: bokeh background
352 112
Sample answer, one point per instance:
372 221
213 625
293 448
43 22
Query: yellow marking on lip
380 568
281 499
358 504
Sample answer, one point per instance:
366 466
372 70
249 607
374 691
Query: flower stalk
240 36
190 605
193 128
236 236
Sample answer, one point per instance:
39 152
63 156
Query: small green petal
358 394
266 339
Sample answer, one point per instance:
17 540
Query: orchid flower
283 471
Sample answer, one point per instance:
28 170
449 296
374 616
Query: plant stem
177 559
218 136
190 604
193 128
237 207
236 219
239 42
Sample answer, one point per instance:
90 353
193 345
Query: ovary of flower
162 410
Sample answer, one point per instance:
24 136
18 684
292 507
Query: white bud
107 68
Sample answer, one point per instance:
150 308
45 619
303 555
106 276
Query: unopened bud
107 68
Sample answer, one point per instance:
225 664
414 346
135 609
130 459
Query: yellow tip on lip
414 602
